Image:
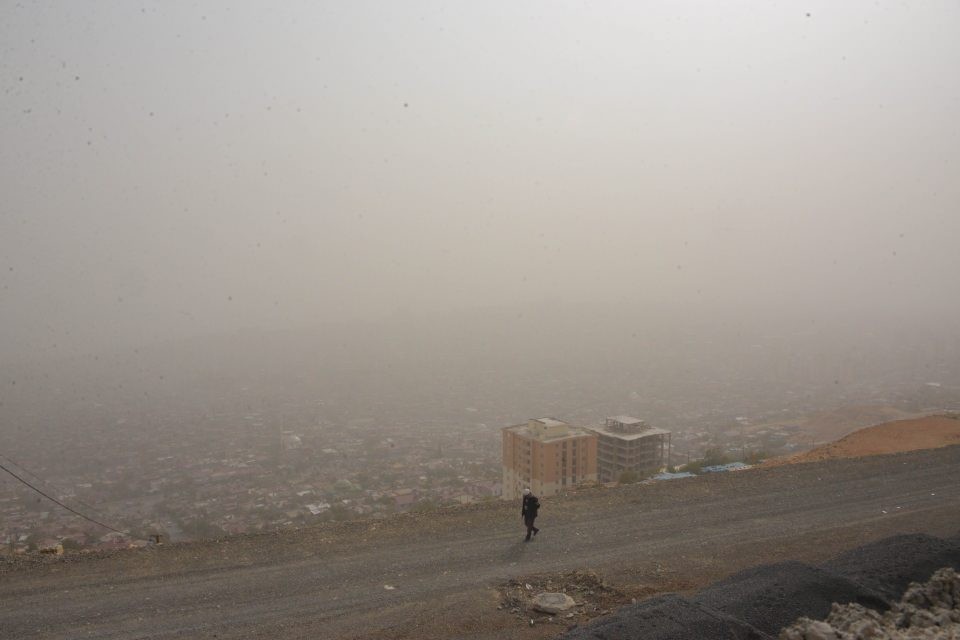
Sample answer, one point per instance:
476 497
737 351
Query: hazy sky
180 168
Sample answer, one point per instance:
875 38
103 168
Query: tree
713 457
339 512
424 506
69 544
199 528
693 467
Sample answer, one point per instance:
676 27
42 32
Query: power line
60 490
70 509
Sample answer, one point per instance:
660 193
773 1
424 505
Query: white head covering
526 491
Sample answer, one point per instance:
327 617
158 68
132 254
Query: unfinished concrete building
630 444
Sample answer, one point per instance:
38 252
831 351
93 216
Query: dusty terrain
443 575
928 432
833 424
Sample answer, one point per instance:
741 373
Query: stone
820 630
552 602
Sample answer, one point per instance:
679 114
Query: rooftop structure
547 428
626 422
630 444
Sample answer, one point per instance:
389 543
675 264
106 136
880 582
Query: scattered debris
583 594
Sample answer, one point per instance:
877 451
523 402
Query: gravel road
433 576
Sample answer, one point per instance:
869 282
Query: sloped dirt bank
853 588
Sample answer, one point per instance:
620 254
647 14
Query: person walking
531 505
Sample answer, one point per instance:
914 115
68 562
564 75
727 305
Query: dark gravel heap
888 566
770 597
759 602
668 617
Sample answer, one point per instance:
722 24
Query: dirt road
433 576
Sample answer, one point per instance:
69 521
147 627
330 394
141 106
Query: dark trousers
530 528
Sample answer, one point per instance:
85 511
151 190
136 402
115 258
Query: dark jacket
531 504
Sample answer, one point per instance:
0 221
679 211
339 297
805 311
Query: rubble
927 610
586 592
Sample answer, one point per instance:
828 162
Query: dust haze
413 215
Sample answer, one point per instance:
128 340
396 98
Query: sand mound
930 432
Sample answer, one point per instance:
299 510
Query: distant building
403 499
290 441
548 456
629 444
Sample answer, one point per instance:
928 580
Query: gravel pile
668 617
929 610
888 566
770 597
761 601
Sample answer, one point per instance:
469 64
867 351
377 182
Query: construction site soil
463 573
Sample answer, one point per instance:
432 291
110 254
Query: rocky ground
462 573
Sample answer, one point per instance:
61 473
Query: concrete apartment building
629 444
548 456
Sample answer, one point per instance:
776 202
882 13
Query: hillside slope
929 432
436 575
837 423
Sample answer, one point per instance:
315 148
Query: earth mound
770 597
888 566
930 432
761 601
668 617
